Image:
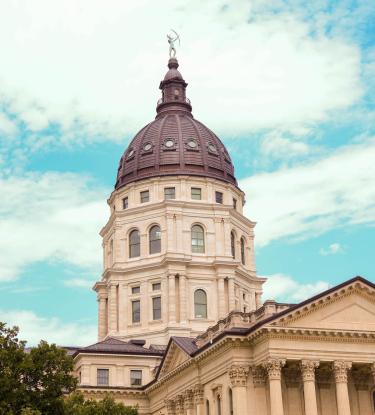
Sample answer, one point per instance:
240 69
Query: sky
287 85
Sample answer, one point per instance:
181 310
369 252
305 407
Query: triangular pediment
349 308
174 358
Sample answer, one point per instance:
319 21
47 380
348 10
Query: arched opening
155 240
200 304
233 244
230 402
134 244
197 239
207 407
243 251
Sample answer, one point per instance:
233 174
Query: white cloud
309 200
79 283
8 127
282 287
333 249
91 67
51 216
34 328
276 146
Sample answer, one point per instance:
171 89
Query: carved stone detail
259 376
179 402
198 394
340 370
273 368
308 369
238 375
169 403
189 399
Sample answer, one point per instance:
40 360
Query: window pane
196 193
145 196
219 197
243 251
234 203
136 377
136 311
156 308
155 240
197 239
170 193
134 244
233 244
200 304
136 290
102 377
156 286
125 203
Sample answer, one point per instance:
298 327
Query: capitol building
182 326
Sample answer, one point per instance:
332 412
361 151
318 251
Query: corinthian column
340 370
189 402
199 399
238 378
308 378
273 368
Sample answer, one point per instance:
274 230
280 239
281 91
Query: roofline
151 354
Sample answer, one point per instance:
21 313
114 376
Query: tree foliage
37 381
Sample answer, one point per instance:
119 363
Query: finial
172 37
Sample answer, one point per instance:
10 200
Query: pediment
174 358
350 309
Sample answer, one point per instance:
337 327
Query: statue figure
171 40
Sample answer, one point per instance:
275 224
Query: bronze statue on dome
171 40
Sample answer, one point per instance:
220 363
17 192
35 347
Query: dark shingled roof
115 346
187 344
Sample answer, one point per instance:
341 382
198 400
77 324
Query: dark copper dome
174 143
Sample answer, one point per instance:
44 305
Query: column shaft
112 308
308 378
340 369
231 297
123 307
102 318
220 297
172 298
183 303
273 368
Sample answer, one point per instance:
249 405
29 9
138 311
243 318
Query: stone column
340 371
164 299
189 402
221 297
308 378
179 403
238 379
112 309
273 368
170 406
123 307
231 297
199 399
183 302
172 299
102 315
258 300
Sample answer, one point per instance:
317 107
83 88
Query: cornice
118 390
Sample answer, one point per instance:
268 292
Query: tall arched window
200 304
134 244
233 244
155 239
243 250
197 239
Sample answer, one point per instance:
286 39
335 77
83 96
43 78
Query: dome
175 143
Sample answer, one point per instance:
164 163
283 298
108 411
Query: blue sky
288 86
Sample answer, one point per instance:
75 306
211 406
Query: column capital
170 405
259 376
273 368
308 369
340 370
238 375
189 399
198 394
179 404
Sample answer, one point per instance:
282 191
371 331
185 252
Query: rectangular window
156 286
145 196
136 311
219 197
169 193
156 308
196 193
234 203
125 203
102 377
136 290
136 377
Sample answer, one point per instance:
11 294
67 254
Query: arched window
230 402
134 244
243 250
155 239
200 304
197 239
233 244
207 407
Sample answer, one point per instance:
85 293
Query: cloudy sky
288 86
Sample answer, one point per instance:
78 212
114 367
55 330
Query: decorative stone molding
179 404
340 370
273 368
198 394
259 376
189 399
238 375
170 405
308 369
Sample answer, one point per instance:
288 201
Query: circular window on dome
192 144
147 147
130 154
169 143
212 148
